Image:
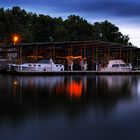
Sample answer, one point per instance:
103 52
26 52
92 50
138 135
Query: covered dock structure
74 55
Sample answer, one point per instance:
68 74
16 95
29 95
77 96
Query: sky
123 13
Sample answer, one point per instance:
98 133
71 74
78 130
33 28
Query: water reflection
80 105
116 81
71 86
115 85
74 93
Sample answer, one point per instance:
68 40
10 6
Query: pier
78 57
66 73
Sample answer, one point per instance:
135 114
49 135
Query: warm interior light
73 57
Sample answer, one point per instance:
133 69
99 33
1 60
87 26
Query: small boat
41 66
117 65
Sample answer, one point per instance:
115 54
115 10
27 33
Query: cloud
122 8
120 12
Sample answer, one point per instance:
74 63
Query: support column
20 57
93 58
97 65
127 56
131 56
120 53
36 54
53 51
108 55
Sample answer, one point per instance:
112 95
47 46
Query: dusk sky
123 13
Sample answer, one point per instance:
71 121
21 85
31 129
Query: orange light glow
15 38
73 57
75 89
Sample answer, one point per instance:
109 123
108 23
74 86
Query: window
46 61
115 65
123 65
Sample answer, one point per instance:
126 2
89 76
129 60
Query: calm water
69 107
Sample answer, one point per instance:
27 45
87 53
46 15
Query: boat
45 65
117 66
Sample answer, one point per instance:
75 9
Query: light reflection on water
69 107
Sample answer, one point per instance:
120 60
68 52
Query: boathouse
76 55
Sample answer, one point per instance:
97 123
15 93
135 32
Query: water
69 107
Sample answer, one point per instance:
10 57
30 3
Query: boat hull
36 67
117 66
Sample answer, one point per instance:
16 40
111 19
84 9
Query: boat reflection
72 87
70 94
114 88
115 81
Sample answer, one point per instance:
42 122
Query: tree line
34 27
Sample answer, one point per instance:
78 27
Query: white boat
117 65
41 66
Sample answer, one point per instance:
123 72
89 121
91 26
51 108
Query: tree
78 28
43 28
106 31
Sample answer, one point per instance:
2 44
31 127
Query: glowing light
75 89
15 38
15 83
73 57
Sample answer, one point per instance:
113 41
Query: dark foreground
70 107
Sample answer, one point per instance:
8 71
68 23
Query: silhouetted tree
43 28
106 31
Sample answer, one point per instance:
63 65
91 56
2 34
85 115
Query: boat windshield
46 61
115 65
123 65
119 65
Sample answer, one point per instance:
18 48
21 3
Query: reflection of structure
32 83
44 81
75 88
115 81
44 95
136 87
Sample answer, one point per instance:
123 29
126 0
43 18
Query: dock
28 73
